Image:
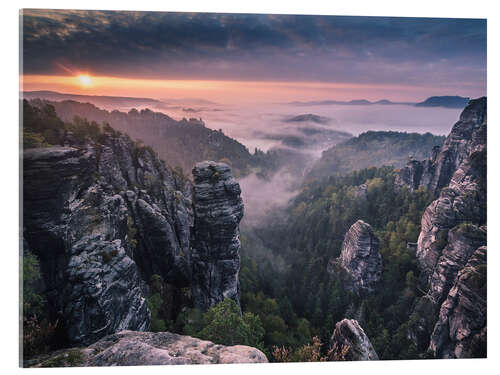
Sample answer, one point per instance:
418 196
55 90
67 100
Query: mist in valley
266 127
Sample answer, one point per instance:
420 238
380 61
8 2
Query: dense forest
281 310
180 143
292 288
374 148
306 297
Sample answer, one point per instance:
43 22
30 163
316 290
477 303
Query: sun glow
85 80
218 91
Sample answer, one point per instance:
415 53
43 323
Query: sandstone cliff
129 348
460 331
451 315
467 136
361 258
104 217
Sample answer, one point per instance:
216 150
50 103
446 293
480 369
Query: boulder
127 348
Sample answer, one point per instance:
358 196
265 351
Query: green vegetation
132 232
155 304
307 297
107 256
181 143
223 324
33 140
37 329
292 291
374 149
70 358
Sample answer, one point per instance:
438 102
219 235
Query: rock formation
467 136
103 218
218 210
348 334
129 348
451 315
462 201
361 258
460 331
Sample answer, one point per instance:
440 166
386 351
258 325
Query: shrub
155 303
224 324
33 140
310 353
132 231
37 330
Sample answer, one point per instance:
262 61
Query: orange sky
222 91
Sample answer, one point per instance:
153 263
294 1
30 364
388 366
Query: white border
9 168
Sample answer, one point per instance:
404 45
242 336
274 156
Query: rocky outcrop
417 173
462 201
349 335
463 240
103 218
361 258
79 234
129 348
460 331
467 136
218 210
453 228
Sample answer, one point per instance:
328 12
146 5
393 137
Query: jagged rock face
349 334
463 201
461 328
361 258
79 234
216 242
467 136
463 240
128 348
453 228
104 218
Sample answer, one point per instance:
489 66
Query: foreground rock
104 218
129 348
361 258
349 335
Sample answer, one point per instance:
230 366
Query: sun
85 80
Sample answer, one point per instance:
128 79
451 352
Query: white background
9 172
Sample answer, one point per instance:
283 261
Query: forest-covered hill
374 149
180 143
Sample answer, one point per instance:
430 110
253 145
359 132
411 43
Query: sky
245 57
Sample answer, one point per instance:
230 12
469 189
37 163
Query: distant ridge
350 102
444 101
110 100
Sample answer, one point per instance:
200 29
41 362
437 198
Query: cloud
249 47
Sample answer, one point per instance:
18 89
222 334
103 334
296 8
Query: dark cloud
243 46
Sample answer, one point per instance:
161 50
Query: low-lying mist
305 129
263 196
